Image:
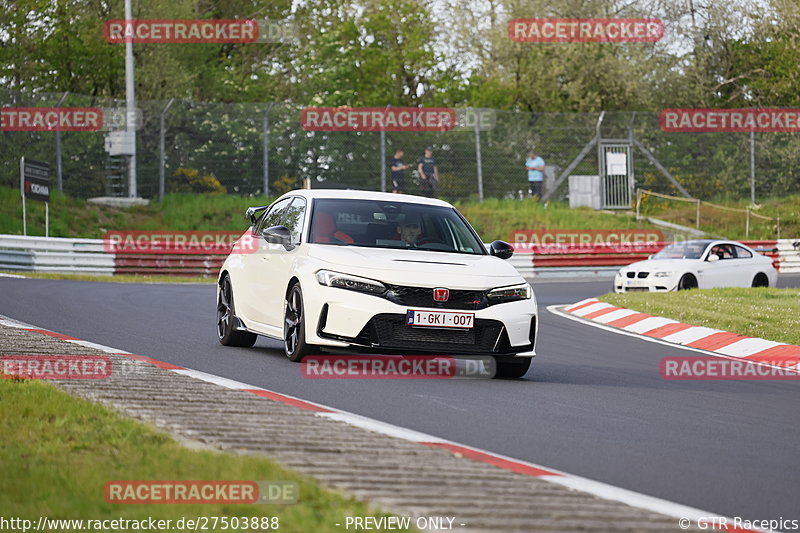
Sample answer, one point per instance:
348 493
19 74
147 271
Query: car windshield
683 250
401 225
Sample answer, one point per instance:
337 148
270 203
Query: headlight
347 281
510 294
664 274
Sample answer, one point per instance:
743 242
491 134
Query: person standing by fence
428 173
535 166
398 172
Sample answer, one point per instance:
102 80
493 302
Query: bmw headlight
663 274
510 294
348 281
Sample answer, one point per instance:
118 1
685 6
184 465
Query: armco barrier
88 256
173 265
39 254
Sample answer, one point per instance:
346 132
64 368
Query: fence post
752 167
162 152
698 214
383 160
779 228
59 179
638 203
265 126
478 160
747 223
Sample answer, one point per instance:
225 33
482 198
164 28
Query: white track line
554 309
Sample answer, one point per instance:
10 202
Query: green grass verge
493 219
122 278
58 451
496 219
69 217
772 314
731 225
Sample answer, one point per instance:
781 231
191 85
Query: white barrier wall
789 255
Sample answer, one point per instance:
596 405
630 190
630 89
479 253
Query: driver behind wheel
410 230
722 251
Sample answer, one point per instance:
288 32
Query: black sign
35 180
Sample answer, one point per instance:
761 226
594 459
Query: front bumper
339 317
623 284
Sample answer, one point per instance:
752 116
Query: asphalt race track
593 403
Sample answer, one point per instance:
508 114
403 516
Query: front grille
423 297
643 275
391 331
631 274
637 289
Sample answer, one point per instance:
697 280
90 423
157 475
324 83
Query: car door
745 269
258 282
714 274
282 260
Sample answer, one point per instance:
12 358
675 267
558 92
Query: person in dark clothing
428 173
398 174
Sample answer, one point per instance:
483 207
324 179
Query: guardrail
171 265
89 256
55 255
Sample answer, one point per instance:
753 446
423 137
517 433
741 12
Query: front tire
227 333
294 333
512 367
687 282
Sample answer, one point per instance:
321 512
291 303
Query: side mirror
501 249
650 256
277 235
712 258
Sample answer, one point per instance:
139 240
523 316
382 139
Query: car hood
655 265
417 267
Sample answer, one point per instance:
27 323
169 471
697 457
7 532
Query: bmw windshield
683 250
400 225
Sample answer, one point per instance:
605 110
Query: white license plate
439 319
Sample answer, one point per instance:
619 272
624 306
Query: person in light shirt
535 166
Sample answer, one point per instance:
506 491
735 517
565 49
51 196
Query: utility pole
130 97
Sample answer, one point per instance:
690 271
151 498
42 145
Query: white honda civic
385 272
703 264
